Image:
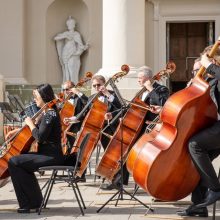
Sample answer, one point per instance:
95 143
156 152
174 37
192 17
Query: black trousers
204 147
21 169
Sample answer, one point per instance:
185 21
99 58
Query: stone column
123 40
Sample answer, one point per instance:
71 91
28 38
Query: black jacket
48 134
157 96
79 103
214 70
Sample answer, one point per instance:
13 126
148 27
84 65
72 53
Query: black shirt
48 134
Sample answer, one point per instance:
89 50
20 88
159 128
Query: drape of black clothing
205 145
79 103
157 96
22 167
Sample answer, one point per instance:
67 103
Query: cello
19 143
127 132
93 122
163 166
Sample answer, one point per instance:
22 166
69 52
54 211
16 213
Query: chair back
81 150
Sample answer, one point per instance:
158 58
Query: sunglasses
96 85
66 89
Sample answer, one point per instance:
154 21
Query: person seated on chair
204 147
48 135
154 96
107 96
79 100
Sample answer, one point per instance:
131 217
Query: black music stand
121 191
6 110
16 103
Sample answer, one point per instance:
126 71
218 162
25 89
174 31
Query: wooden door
185 43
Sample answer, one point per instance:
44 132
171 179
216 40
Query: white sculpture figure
69 48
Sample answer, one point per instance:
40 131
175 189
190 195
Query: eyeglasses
66 89
96 85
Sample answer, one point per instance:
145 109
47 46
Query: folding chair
70 177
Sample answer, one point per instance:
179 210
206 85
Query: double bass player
78 100
205 147
155 95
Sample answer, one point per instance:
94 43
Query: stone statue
69 48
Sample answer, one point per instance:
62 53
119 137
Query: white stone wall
28 53
12 40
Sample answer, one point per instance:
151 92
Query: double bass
94 122
127 131
163 166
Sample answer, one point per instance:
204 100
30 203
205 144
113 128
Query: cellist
155 95
205 147
48 135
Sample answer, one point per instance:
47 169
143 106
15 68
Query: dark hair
46 92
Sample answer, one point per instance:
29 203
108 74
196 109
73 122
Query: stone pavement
62 204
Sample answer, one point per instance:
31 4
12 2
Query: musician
48 135
79 100
109 97
205 147
154 96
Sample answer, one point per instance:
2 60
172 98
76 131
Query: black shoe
80 179
27 210
201 212
109 186
117 180
210 198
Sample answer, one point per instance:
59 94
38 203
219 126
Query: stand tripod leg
111 199
133 197
120 197
136 187
121 190
151 204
